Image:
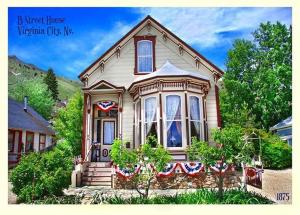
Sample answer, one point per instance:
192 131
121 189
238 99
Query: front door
107 138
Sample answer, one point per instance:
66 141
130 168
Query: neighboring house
149 83
284 130
27 131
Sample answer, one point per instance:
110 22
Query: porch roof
170 70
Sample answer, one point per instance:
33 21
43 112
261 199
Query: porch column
205 119
120 110
83 138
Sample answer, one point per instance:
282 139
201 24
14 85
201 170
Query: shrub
145 156
276 154
68 123
39 175
59 200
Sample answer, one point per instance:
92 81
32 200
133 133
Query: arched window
150 122
173 121
144 56
195 117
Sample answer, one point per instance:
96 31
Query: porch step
98 169
99 178
97 183
99 164
97 174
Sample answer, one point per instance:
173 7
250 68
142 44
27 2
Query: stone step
99 178
97 183
96 173
98 169
99 164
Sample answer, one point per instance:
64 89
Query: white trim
183 121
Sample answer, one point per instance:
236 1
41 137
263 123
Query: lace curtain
195 113
144 54
150 113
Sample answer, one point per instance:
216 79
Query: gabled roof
283 124
102 84
30 120
144 21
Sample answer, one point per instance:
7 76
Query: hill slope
19 70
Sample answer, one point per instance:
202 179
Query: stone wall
182 181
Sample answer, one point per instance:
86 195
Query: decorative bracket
180 48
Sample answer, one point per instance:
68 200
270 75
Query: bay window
150 122
173 121
195 118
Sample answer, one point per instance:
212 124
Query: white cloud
204 26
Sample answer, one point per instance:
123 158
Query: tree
147 157
50 80
68 122
230 148
258 78
39 98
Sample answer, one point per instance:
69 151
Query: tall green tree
68 123
50 80
258 78
39 98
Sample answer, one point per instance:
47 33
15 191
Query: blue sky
210 31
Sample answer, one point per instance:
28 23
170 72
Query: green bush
39 175
276 154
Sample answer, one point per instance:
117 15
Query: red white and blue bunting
168 170
126 173
193 168
189 168
106 105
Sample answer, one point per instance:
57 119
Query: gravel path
275 181
12 198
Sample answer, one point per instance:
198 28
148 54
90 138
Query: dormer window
144 54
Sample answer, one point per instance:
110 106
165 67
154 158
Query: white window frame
200 97
143 132
138 57
183 121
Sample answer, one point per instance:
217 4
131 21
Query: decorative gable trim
148 23
105 84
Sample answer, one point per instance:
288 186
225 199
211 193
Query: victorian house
150 82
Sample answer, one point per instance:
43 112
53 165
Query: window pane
42 138
174 134
173 107
151 129
150 109
195 129
144 56
10 140
109 132
194 108
29 142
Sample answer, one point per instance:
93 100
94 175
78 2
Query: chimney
25 103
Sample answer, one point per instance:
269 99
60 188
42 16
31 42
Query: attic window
144 54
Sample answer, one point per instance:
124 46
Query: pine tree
50 80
